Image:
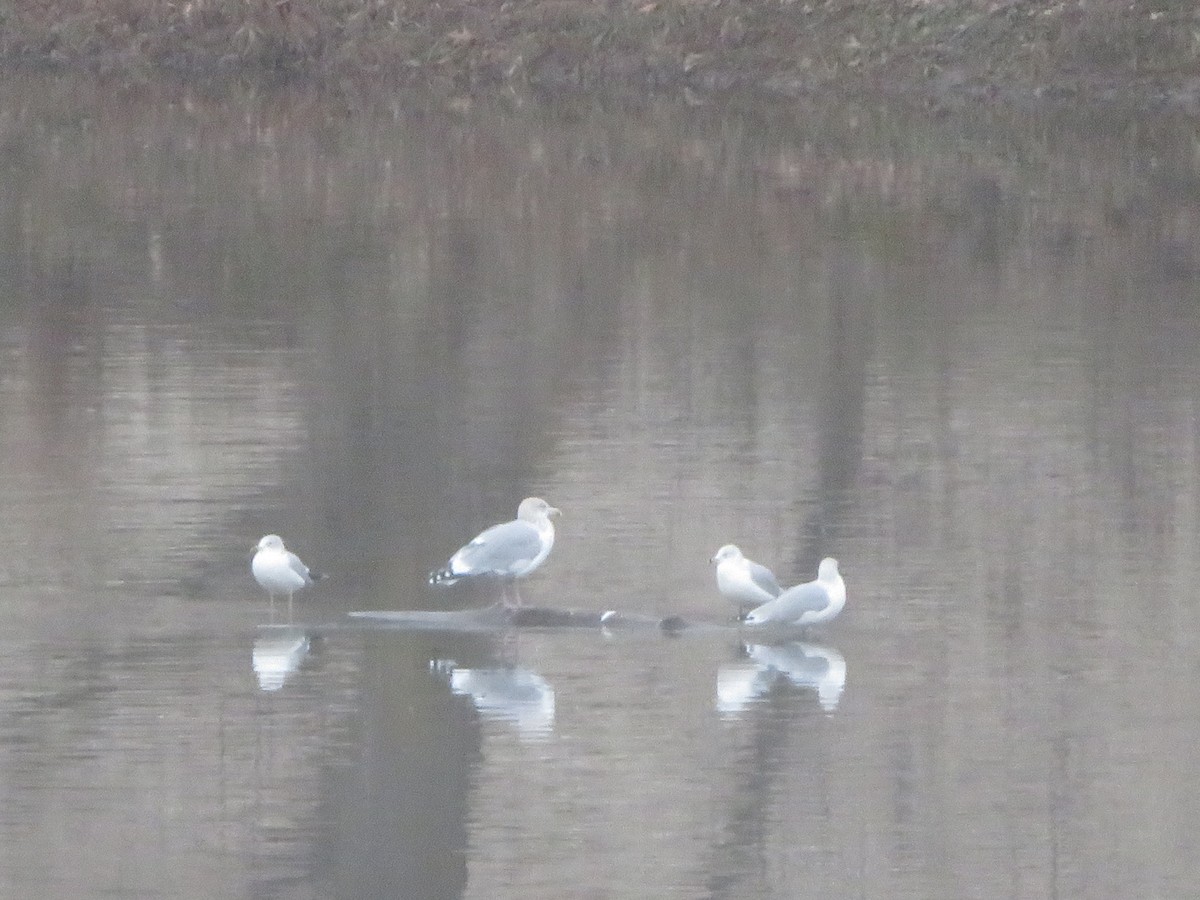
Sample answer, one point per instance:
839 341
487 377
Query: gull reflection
507 694
811 666
277 654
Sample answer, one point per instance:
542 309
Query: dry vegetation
944 48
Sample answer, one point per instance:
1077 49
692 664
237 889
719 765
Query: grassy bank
942 49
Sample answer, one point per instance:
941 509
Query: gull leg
289 607
496 599
509 648
511 596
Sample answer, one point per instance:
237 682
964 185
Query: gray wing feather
809 597
499 549
765 579
792 603
297 566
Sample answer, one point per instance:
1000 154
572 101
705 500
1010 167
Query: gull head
729 551
534 509
828 570
270 542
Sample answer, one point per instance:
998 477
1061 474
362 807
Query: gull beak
554 511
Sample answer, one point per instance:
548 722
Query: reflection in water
396 804
804 665
506 694
277 654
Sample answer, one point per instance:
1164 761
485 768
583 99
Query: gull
810 603
279 570
743 582
509 550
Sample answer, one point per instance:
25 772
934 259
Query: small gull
743 582
810 603
508 550
279 570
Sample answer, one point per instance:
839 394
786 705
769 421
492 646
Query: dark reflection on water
960 356
396 805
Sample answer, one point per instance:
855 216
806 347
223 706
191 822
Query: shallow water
958 355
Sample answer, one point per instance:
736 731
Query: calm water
961 356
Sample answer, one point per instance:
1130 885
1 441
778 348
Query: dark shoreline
941 54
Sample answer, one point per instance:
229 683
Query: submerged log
497 618
489 618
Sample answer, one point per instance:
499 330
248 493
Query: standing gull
508 550
805 604
279 570
743 582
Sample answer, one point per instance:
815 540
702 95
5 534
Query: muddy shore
942 52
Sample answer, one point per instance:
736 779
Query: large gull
508 550
810 603
279 570
743 582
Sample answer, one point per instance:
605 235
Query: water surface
959 355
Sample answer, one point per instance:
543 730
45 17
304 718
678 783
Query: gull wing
765 579
503 549
297 565
792 603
